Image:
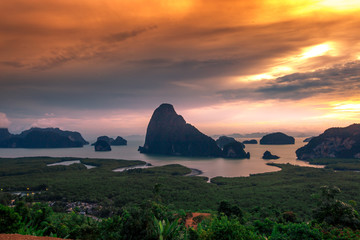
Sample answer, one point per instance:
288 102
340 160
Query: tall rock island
169 134
333 143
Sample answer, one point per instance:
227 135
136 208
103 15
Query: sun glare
347 110
316 51
261 77
340 5
349 107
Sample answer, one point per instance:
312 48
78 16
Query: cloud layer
71 58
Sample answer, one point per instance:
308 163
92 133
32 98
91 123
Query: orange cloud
135 54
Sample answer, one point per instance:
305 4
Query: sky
230 66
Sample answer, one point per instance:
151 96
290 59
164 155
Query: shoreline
194 172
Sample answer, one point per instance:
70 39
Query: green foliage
229 210
295 231
110 228
264 227
341 164
5 198
335 212
165 230
288 216
224 228
9 220
272 205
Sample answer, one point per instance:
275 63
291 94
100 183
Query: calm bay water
211 167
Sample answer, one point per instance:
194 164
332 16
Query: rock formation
43 138
4 133
223 140
104 138
119 141
333 143
73 136
102 146
267 155
235 150
277 139
308 139
252 141
169 134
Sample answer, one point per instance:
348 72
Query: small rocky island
252 141
267 155
169 134
333 143
41 138
119 141
224 140
277 138
235 150
102 146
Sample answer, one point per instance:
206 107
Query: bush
226 229
9 220
295 231
335 212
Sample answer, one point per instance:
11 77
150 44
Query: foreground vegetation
340 164
332 219
265 195
150 202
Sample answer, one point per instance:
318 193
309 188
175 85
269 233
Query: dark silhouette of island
308 139
267 155
333 143
102 146
223 140
277 138
4 134
252 141
235 150
119 141
169 134
41 138
248 135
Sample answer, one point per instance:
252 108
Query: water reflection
68 163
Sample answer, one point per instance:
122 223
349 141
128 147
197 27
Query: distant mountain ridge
261 134
41 138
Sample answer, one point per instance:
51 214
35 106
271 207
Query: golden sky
227 66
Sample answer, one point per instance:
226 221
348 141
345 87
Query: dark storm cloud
337 80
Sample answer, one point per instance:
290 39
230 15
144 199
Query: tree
9 220
334 211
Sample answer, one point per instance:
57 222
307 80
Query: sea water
210 167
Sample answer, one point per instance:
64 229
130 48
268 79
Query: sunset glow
344 5
348 107
315 51
227 66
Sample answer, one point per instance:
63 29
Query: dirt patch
24 237
193 219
